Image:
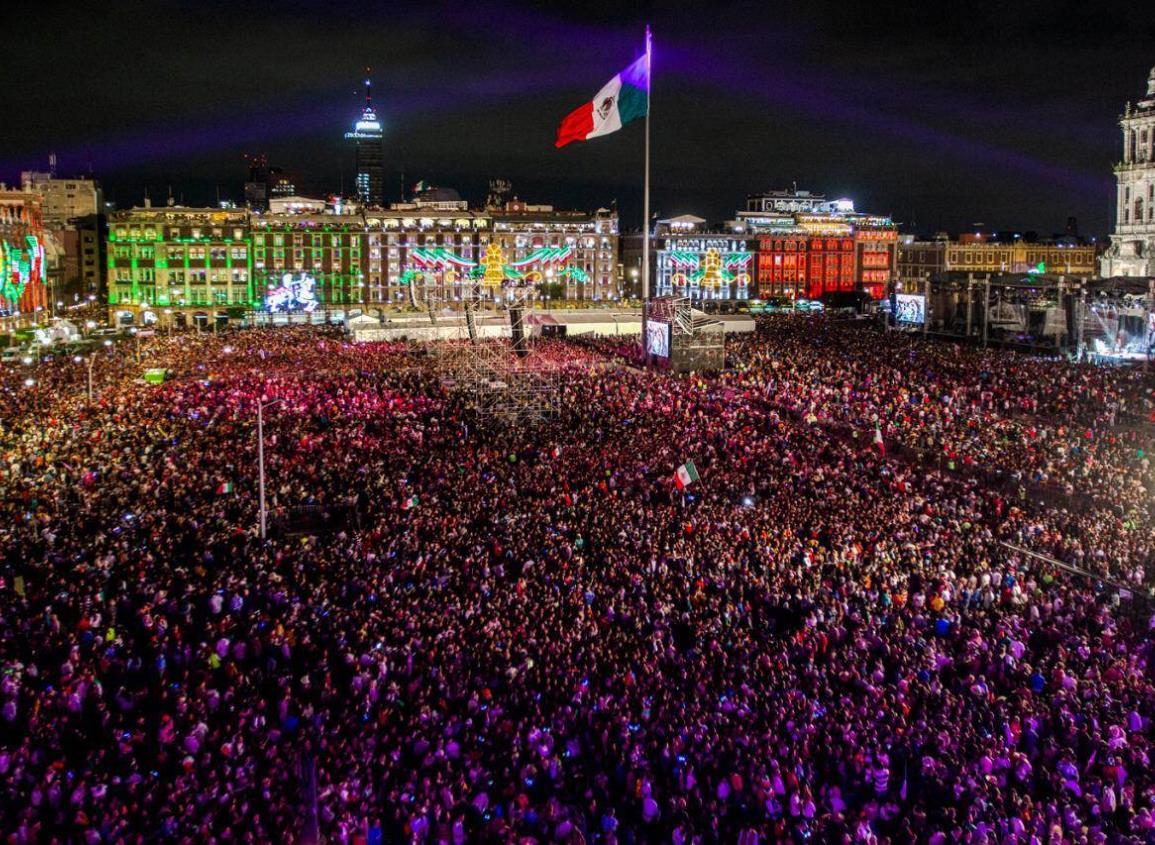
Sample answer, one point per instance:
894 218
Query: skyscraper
366 135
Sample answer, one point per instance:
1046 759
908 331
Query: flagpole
646 195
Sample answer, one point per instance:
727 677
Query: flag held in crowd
224 488
620 100
686 475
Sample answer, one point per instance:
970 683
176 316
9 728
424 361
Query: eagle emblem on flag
606 106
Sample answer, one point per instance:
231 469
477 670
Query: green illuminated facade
213 264
180 258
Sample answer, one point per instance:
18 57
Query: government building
182 266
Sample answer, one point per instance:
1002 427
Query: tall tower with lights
370 163
1132 250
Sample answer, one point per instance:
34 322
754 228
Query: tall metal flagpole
646 197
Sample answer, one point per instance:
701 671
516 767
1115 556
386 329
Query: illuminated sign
658 339
910 308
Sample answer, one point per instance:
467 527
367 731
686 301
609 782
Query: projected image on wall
296 292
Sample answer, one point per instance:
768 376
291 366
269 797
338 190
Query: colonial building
1132 249
574 255
691 260
981 253
809 246
188 264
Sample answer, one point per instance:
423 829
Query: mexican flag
878 441
686 475
411 502
622 99
224 487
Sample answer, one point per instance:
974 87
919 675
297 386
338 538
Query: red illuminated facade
809 246
876 258
808 266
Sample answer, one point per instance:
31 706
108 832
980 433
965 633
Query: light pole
261 461
89 361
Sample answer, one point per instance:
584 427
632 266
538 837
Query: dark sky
942 115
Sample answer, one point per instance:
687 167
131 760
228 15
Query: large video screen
658 339
910 308
296 292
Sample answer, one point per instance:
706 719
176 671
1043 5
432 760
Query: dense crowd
529 633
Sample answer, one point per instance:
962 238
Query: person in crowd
904 602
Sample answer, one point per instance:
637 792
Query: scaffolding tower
697 341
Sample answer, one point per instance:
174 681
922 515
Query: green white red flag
622 99
686 475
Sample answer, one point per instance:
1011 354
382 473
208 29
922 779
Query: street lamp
261 460
90 361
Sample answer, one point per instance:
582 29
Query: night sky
995 112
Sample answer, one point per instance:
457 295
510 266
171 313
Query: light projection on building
296 292
702 271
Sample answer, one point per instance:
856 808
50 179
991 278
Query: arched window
1139 210
1143 150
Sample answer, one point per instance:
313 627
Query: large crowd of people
905 601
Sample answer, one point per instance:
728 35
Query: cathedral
1132 250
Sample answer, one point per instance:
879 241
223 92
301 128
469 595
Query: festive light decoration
492 271
710 270
439 258
545 255
20 266
493 262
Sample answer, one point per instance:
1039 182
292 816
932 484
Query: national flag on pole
686 475
878 441
408 503
622 99
224 487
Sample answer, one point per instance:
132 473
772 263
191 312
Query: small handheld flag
224 487
408 503
686 475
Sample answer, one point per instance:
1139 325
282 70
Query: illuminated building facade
23 271
568 254
980 253
369 176
692 261
1132 249
211 264
809 246
193 262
